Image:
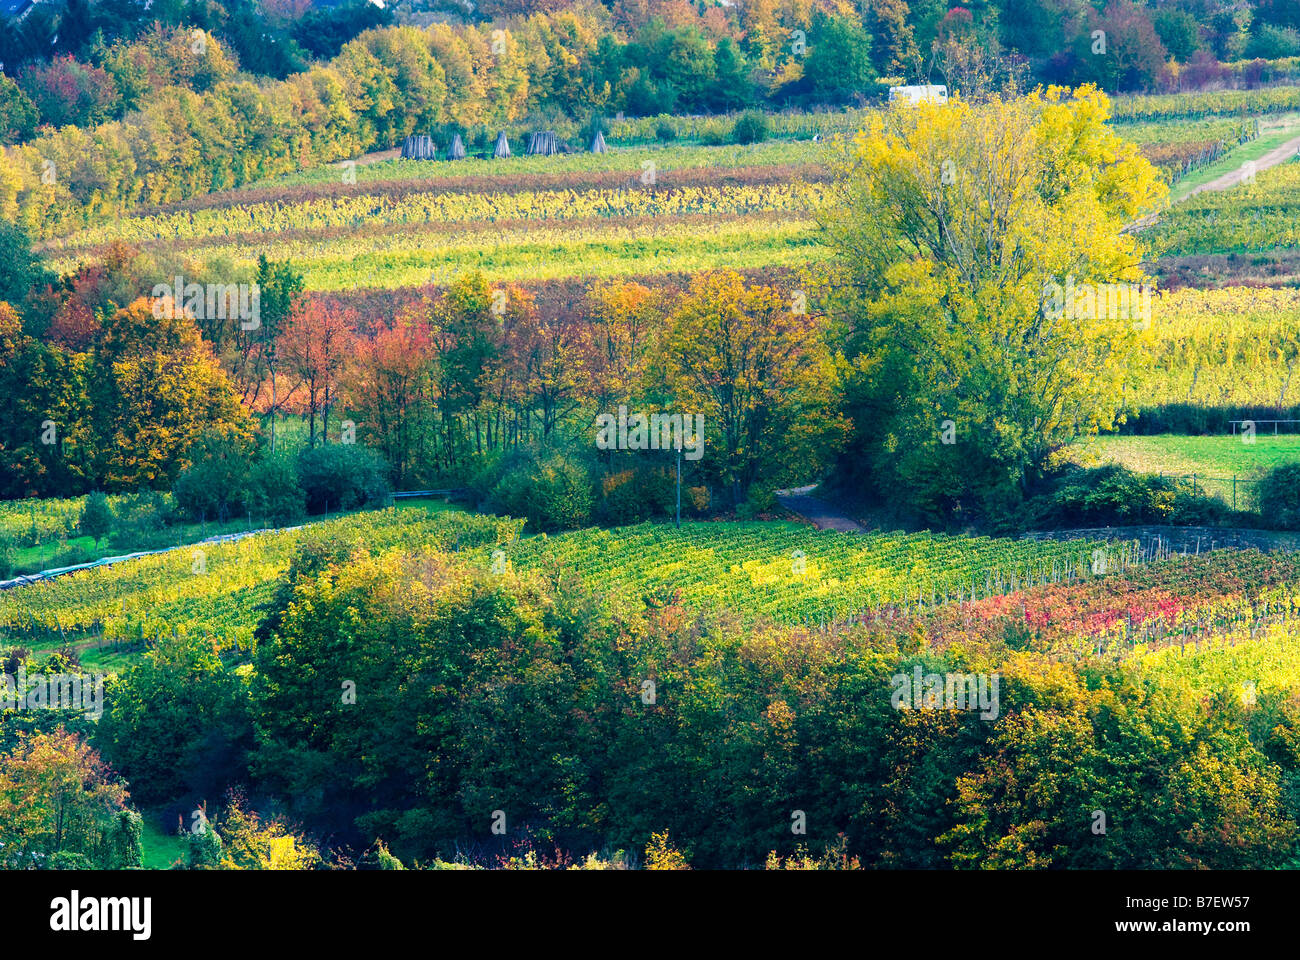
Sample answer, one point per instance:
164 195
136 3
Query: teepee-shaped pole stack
542 143
503 147
457 149
419 147
598 143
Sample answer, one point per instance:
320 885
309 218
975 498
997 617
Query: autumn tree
387 383
1120 49
155 387
950 223
58 796
313 349
758 369
623 323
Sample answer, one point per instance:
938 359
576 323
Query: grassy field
1212 460
161 849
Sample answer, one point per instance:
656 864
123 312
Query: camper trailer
930 93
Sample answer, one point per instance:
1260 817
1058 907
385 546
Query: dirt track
1233 177
821 513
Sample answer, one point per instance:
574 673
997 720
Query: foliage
216 481
57 796
1279 497
761 375
96 519
750 128
965 376
1116 496
553 493
342 476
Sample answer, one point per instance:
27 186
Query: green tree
18 114
1178 31
175 724
838 64
951 223
96 519
757 368
732 86
23 271
215 483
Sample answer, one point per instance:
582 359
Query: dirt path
822 514
1233 177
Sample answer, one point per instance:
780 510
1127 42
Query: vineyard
793 574
215 589
1180 605
637 210
26 523
644 211
1207 104
1178 147
1254 217
1232 345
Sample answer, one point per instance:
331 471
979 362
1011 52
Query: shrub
214 483
142 519
750 128
486 471
763 497
274 494
1116 496
554 494
631 496
1279 497
342 476
697 499
665 132
96 519
311 556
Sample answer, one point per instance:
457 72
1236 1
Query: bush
212 487
665 132
697 500
632 496
274 494
1279 497
342 476
485 472
96 519
1116 496
1197 419
312 555
141 520
750 128
554 494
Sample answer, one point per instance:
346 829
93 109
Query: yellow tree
957 233
757 368
155 387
